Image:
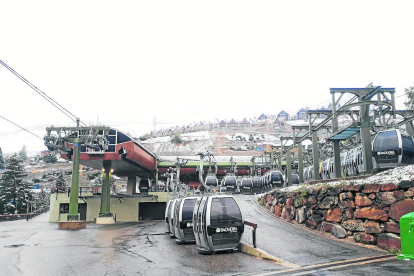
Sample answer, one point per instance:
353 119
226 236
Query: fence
249 234
23 216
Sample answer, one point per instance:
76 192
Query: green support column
337 159
315 153
300 162
366 139
74 188
289 168
106 193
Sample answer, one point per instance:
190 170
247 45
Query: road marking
332 265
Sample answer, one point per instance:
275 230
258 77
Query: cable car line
43 94
21 127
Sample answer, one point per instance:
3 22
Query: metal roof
345 133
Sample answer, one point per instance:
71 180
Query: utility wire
43 94
20 127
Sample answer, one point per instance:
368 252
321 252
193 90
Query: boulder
406 184
288 213
338 232
364 238
301 214
386 198
409 193
371 188
334 215
349 213
372 196
278 210
398 209
327 226
372 227
362 200
389 187
346 196
352 188
399 195
389 241
347 204
353 225
328 202
313 221
321 194
371 213
392 227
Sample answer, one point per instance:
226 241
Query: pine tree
23 153
60 182
410 95
1 159
13 187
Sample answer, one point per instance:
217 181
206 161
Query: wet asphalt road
37 247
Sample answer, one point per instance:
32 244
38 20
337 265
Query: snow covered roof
222 122
245 121
262 117
232 121
282 113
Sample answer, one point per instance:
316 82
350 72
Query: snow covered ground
390 176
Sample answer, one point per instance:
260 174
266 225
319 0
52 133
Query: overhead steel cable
20 127
43 94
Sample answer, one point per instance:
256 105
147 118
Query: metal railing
23 216
249 234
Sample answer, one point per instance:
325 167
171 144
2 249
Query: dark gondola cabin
183 220
391 148
144 186
171 208
276 179
211 180
230 183
247 185
218 224
167 209
257 184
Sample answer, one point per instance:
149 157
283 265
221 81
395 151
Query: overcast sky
184 61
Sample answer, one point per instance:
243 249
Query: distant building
244 123
44 152
262 117
283 116
222 124
302 114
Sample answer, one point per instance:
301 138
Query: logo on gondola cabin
226 230
388 152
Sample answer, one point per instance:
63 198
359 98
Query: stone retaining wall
370 213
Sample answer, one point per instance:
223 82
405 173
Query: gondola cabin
167 209
230 183
246 185
391 148
171 210
144 186
183 220
211 181
218 224
295 179
276 179
257 184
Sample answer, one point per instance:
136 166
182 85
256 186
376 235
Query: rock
362 200
289 201
298 201
399 195
386 198
392 227
389 241
371 213
372 227
327 226
349 213
321 194
288 213
409 193
353 225
278 210
313 221
311 202
364 238
352 188
397 210
334 215
406 184
371 188
272 209
334 191
347 204
338 232
372 196
346 196
328 202
274 202
389 187
301 214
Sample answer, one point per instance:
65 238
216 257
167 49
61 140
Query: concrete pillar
337 159
131 185
300 162
315 153
74 188
106 186
288 168
366 139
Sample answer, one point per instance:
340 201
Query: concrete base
106 220
72 225
406 257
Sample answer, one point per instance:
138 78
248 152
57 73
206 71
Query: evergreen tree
1 159
60 182
13 187
50 158
410 95
23 153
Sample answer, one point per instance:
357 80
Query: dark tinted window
386 141
247 182
230 181
408 149
122 138
111 139
188 209
276 177
211 181
224 211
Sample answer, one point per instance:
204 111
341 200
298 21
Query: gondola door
202 230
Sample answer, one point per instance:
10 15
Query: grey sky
185 61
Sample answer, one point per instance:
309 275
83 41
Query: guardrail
249 234
22 216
